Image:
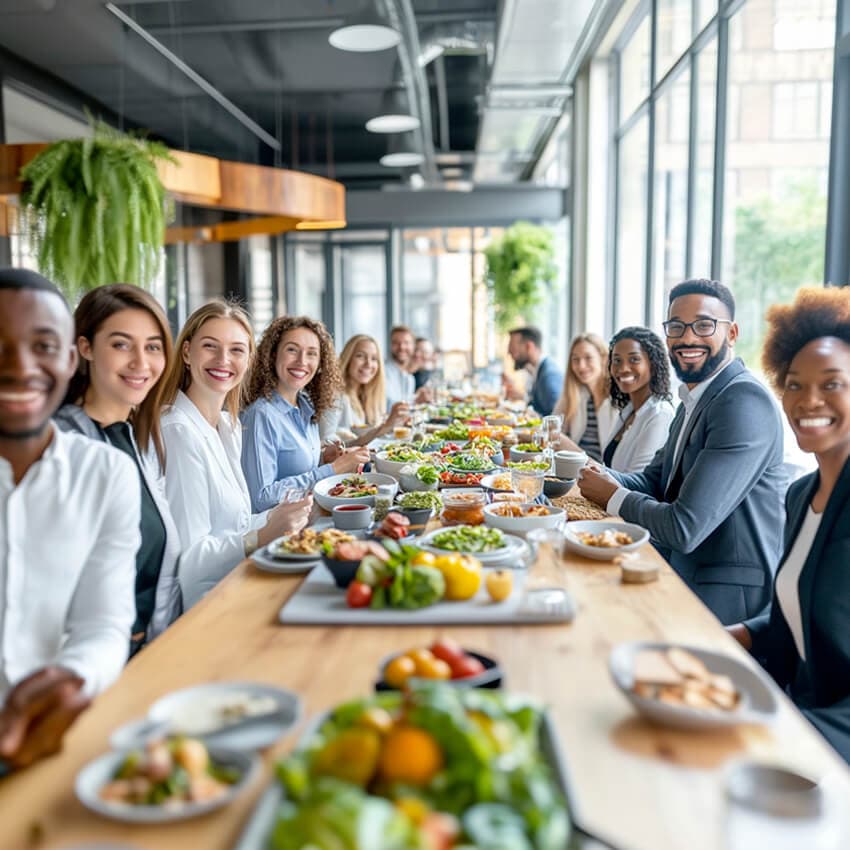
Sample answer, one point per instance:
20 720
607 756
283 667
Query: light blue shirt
280 449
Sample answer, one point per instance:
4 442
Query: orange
410 755
422 659
398 671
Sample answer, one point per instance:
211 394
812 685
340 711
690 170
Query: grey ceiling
272 59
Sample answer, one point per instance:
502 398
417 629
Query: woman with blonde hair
585 403
294 382
124 344
203 439
363 401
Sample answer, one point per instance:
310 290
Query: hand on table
397 416
597 485
512 392
741 634
424 395
351 460
37 713
331 450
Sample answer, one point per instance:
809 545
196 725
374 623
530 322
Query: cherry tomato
447 650
398 671
358 595
434 669
466 666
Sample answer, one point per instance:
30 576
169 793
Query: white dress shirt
689 398
644 437
69 532
400 385
788 578
207 494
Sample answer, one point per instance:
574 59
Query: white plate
513 545
97 773
638 534
320 490
270 564
758 702
522 525
487 482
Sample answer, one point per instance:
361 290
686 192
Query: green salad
437 767
402 454
526 465
469 462
421 499
528 447
469 538
455 431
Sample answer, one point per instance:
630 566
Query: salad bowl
348 495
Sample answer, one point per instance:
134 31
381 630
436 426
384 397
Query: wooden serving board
319 602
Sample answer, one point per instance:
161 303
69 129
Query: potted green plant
520 268
95 209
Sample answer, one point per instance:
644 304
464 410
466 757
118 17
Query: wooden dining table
639 786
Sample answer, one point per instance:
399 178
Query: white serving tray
319 602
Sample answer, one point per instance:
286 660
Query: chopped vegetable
421 499
469 538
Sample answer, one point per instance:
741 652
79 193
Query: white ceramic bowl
409 482
758 703
321 488
517 455
521 525
638 534
391 467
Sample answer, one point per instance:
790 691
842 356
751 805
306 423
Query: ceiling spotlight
402 159
392 124
364 32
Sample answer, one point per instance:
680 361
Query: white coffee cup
568 464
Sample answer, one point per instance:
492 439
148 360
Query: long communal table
643 787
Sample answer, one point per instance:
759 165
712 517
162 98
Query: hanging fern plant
520 268
96 210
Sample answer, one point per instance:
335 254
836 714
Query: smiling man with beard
712 496
69 530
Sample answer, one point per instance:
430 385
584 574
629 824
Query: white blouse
788 578
338 418
207 494
645 436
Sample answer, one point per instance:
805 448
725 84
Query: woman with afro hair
803 638
640 393
294 381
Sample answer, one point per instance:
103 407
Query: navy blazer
546 389
714 509
820 685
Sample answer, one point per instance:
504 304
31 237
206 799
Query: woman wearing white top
640 392
803 638
203 474
363 401
584 402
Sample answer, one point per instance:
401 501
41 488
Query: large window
746 205
362 271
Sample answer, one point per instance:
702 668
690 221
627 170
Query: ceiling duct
464 38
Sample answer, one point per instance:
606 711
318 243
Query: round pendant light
402 159
364 32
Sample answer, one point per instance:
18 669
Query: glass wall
747 206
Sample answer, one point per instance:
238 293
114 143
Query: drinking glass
528 482
552 425
541 438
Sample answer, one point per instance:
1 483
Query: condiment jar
464 507
510 439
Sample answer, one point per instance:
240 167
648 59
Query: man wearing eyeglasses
712 496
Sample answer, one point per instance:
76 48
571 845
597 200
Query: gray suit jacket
719 519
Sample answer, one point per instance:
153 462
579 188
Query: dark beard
520 363
24 435
696 376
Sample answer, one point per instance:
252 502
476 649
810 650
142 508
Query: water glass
528 482
541 438
553 424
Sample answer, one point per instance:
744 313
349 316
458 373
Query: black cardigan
820 685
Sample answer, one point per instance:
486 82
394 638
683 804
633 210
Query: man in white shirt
69 530
399 381
712 496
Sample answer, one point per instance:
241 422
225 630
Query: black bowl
555 487
492 676
418 517
342 571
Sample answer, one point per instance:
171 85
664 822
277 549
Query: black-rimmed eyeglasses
701 327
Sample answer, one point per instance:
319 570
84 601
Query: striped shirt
589 441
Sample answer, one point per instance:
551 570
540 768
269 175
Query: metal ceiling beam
196 78
295 24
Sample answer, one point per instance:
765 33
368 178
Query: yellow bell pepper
462 574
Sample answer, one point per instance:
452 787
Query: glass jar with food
464 507
383 501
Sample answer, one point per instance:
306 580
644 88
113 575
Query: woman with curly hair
294 382
640 394
803 639
204 483
584 402
363 401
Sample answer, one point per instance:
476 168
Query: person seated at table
712 496
69 530
640 392
204 483
803 638
294 382
124 345
424 363
399 367
362 401
585 402
525 347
